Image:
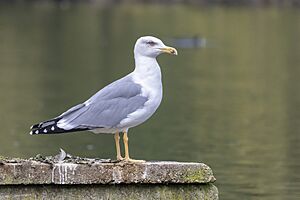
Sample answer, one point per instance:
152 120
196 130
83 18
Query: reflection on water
234 106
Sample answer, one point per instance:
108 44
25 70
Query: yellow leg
117 141
127 158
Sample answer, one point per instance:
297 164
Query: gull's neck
147 68
147 73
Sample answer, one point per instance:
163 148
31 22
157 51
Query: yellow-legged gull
120 105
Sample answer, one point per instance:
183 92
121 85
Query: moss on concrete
196 175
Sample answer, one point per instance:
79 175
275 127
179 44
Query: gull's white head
150 46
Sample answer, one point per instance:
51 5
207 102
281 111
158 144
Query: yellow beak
169 50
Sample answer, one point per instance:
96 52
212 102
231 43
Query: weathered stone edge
34 172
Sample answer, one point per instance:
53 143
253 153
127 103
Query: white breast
149 77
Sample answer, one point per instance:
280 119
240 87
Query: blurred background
231 96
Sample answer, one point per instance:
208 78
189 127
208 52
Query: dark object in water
189 42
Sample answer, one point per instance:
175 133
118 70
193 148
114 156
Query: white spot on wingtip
30 133
37 132
52 128
31 127
45 131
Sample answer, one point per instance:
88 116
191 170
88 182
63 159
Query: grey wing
107 107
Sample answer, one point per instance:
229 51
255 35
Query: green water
234 105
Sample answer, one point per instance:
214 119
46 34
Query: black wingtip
49 126
52 129
34 132
35 126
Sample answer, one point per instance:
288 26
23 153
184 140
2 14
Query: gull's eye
151 43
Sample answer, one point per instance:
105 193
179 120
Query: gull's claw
120 158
